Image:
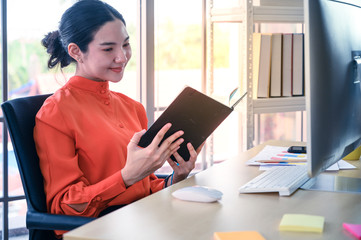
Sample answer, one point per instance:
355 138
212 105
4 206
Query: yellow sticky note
302 223
242 235
355 155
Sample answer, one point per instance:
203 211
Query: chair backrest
20 118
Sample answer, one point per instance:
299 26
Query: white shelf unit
281 11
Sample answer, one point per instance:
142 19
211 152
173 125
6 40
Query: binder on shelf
276 65
255 60
264 66
287 65
297 65
282 3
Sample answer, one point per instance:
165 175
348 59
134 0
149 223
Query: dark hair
78 25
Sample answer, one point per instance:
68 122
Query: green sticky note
302 223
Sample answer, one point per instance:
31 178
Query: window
177 52
28 75
179 48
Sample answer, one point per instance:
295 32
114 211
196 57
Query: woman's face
107 54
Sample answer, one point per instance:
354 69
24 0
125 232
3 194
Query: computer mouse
198 194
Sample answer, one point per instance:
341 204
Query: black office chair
20 118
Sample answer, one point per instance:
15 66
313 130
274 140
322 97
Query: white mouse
198 194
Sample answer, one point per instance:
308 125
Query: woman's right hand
141 162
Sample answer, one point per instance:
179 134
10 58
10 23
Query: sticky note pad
355 155
354 229
241 235
302 223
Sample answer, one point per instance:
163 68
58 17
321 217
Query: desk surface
160 216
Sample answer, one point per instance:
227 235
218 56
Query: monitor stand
326 182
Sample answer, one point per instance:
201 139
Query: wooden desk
160 216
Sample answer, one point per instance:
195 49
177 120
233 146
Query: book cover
298 65
264 66
276 65
287 65
197 114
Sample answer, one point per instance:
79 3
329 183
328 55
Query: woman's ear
75 52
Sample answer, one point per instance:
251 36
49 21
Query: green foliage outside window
178 47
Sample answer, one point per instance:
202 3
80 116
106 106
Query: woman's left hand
182 168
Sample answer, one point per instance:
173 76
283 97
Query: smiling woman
99 164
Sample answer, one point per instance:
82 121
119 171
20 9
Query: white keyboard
284 180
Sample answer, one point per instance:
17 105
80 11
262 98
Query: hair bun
51 41
55 48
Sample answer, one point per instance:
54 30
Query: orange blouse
81 136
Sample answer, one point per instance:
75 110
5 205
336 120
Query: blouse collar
88 85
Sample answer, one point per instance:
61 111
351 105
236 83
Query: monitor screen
332 80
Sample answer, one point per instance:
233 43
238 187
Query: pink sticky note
355 229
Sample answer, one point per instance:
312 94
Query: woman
86 135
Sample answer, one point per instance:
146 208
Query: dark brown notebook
197 114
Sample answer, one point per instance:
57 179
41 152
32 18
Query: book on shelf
264 66
276 65
297 65
280 64
287 65
256 57
282 3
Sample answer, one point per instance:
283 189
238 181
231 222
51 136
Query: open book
197 114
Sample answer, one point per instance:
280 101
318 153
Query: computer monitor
332 81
